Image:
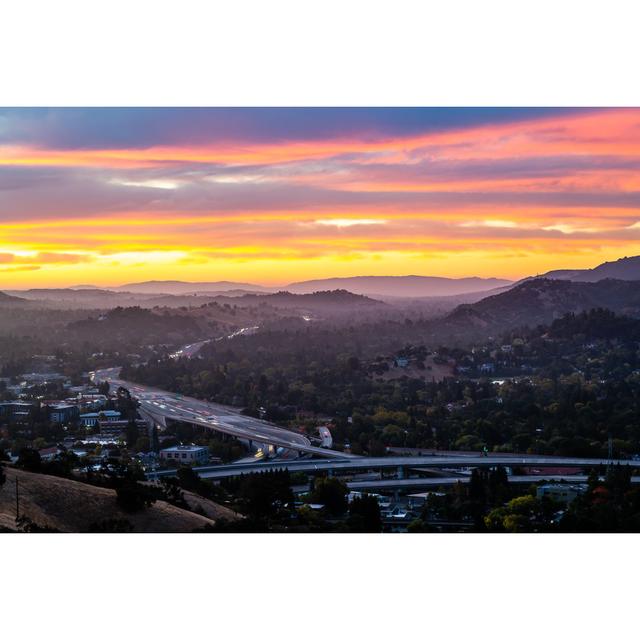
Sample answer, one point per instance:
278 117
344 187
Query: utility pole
17 501
610 450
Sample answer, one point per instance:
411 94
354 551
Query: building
50 453
63 413
43 378
560 492
402 362
185 454
16 411
89 419
92 419
93 400
119 427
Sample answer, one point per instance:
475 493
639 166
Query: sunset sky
108 196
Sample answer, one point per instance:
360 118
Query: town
431 423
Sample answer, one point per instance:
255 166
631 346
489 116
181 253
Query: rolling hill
7 300
400 286
177 287
627 268
397 286
318 299
542 300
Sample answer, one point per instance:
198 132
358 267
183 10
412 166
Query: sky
276 195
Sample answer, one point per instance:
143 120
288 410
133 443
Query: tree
265 494
364 515
29 460
419 526
188 478
332 493
522 514
133 496
132 432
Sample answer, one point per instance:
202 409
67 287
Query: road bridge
161 406
400 464
425 483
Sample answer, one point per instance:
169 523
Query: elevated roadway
425 483
401 464
160 406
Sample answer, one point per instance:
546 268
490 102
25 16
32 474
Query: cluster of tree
268 504
611 504
130 327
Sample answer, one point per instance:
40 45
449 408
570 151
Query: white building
185 454
92 419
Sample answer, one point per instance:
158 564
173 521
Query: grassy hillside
71 506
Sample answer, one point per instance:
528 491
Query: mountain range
400 286
474 295
410 286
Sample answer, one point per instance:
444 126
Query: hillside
71 506
7 300
133 325
542 300
92 298
400 286
320 299
622 269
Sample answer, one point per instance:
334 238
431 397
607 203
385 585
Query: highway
418 483
359 464
191 350
161 405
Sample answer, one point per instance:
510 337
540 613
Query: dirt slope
71 506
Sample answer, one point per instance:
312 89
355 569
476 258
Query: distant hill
177 287
622 269
7 300
70 294
95 298
541 300
339 297
88 298
136 326
327 304
400 286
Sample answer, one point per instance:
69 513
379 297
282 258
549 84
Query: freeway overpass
398 463
425 483
160 406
